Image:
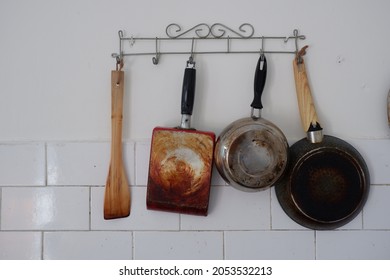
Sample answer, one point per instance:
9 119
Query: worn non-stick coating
325 185
181 161
326 182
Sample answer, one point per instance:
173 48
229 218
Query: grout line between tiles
363 211
133 245
135 162
134 159
42 244
1 200
90 208
270 209
223 246
46 165
181 231
315 245
43 232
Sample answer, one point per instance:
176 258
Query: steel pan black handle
260 77
188 92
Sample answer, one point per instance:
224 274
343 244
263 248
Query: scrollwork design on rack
295 37
217 30
198 29
246 30
205 31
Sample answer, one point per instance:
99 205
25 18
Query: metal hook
120 34
296 39
157 57
119 57
262 47
191 58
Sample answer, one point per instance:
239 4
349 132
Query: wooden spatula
117 193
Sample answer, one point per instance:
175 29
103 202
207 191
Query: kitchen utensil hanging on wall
251 153
181 160
327 181
117 193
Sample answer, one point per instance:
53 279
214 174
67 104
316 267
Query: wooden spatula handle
304 96
117 193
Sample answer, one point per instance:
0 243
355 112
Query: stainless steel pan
251 153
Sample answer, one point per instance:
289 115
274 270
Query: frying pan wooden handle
117 193
304 96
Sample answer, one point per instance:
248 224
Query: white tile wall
186 245
353 245
20 245
140 218
88 245
377 156
231 209
82 163
284 245
77 163
22 165
51 205
142 153
376 213
45 208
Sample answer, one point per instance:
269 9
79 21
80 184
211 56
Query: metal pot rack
200 33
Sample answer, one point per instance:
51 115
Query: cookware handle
260 77
188 92
306 106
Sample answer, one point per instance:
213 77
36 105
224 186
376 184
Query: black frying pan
327 182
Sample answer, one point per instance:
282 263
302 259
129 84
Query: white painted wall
55 67
55 63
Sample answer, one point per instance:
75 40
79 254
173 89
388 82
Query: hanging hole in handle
262 61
